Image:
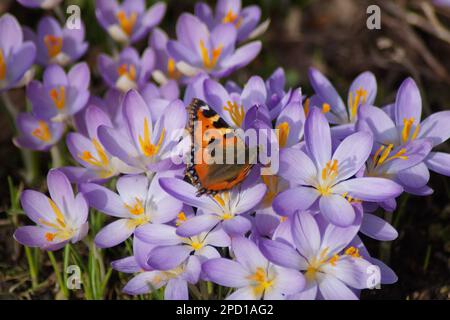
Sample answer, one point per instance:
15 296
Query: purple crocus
138 202
60 95
198 49
60 219
333 269
399 126
37 134
226 208
363 90
55 44
43 4
16 56
136 262
252 274
175 280
151 140
98 164
128 22
327 178
245 20
171 249
128 71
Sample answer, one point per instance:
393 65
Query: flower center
147 147
137 208
209 61
271 181
381 156
42 132
232 17
128 70
355 100
172 70
283 133
236 112
180 218
329 174
261 281
101 161
54 45
58 96
61 229
2 66
127 22
407 129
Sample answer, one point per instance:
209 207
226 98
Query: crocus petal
318 137
176 289
352 153
369 189
247 253
334 289
131 187
337 210
126 265
282 254
226 272
306 234
246 293
297 167
198 224
104 200
250 197
60 190
377 228
367 82
414 177
408 103
144 282
289 281
236 226
436 127
114 233
375 121
254 92
168 257
158 234
31 236
299 198
439 162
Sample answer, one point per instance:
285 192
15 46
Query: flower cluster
291 234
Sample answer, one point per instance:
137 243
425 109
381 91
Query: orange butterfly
209 133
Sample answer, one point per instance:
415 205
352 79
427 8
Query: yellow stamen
196 245
283 133
149 149
2 66
325 108
127 22
227 216
210 62
172 69
271 181
306 106
180 218
329 173
60 226
128 70
261 281
231 17
353 252
54 45
42 132
407 126
136 222
89 158
137 208
333 260
236 112
353 104
385 155
58 97
283 218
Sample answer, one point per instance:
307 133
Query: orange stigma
42 132
58 96
54 45
127 22
210 62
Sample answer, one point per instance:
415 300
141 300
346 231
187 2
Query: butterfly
209 133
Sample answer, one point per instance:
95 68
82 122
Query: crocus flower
128 22
43 4
225 208
245 20
363 90
60 95
136 262
16 56
399 131
60 219
137 203
327 178
199 50
171 249
128 71
332 268
55 44
252 274
175 280
37 134
98 164
151 142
